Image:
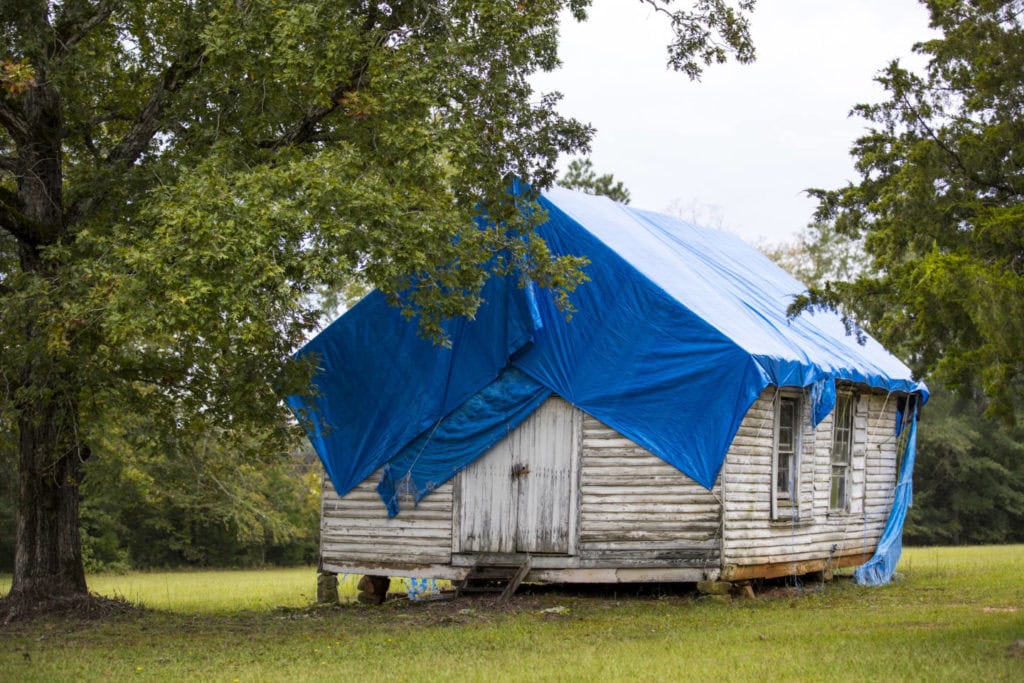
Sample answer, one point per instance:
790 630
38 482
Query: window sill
788 522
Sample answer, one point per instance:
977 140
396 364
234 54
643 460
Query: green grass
951 616
217 591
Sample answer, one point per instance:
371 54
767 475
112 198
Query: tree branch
146 125
957 161
85 131
305 130
69 32
149 120
9 164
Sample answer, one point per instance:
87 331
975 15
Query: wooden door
545 448
520 496
488 496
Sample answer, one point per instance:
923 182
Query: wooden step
516 579
494 578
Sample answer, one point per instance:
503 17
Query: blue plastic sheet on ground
678 331
880 568
459 438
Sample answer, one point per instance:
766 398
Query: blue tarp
880 568
439 453
677 333
380 385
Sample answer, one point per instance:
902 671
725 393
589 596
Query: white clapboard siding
637 510
355 529
751 537
747 473
881 455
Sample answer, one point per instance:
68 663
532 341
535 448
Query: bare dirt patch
89 607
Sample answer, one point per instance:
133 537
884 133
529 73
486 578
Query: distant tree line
968 477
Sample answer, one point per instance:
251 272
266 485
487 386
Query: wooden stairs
494 578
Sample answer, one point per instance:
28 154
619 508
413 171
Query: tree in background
819 255
179 181
694 211
581 176
968 476
939 207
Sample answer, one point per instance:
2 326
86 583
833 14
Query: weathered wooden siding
355 529
752 537
881 456
637 510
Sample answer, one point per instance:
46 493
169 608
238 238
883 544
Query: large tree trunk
48 549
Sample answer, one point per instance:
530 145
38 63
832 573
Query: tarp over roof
678 331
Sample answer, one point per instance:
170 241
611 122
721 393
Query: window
785 467
842 452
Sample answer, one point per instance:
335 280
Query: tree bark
48 549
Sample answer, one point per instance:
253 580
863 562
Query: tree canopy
182 180
939 206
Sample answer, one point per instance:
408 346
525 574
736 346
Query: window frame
841 452
785 504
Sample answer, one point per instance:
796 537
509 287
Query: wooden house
679 428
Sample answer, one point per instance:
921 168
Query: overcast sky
739 147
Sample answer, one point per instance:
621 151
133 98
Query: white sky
737 149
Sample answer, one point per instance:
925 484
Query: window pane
842 430
842 450
785 453
834 500
787 425
782 483
837 498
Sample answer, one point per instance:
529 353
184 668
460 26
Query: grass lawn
953 615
